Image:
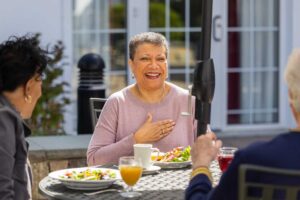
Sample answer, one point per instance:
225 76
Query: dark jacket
281 152
13 153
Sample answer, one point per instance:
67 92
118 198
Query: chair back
267 183
96 105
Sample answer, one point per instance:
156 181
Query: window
253 64
180 22
100 27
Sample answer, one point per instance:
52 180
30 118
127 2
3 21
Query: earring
28 98
132 75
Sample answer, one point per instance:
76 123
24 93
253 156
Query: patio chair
96 105
266 183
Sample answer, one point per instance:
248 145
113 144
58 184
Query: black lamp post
204 74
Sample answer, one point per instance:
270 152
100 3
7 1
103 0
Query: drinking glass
225 157
131 171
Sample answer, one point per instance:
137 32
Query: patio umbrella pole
204 74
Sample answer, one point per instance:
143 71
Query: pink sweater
123 114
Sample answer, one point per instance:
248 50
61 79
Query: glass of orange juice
131 170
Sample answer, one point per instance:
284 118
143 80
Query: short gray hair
147 37
292 77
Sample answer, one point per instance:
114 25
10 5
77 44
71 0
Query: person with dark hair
283 152
148 111
22 63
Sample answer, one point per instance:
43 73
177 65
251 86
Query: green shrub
48 115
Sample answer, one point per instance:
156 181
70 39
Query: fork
102 191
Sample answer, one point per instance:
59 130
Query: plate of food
153 169
86 178
179 157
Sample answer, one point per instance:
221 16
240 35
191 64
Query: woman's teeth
152 75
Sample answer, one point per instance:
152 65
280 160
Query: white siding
50 18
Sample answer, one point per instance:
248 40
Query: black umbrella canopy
204 74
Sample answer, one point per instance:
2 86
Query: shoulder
7 110
118 98
267 144
7 114
119 95
263 149
10 119
178 91
9 123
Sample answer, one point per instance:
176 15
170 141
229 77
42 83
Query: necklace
147 96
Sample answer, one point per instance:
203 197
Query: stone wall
44 162
45 156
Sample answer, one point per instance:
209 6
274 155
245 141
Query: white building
250 46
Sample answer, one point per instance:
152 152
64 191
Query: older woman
149 111
22 63
281 152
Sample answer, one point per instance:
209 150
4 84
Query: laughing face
149 66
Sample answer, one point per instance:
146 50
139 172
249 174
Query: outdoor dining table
166 184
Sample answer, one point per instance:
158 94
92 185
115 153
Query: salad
89 174
178 154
